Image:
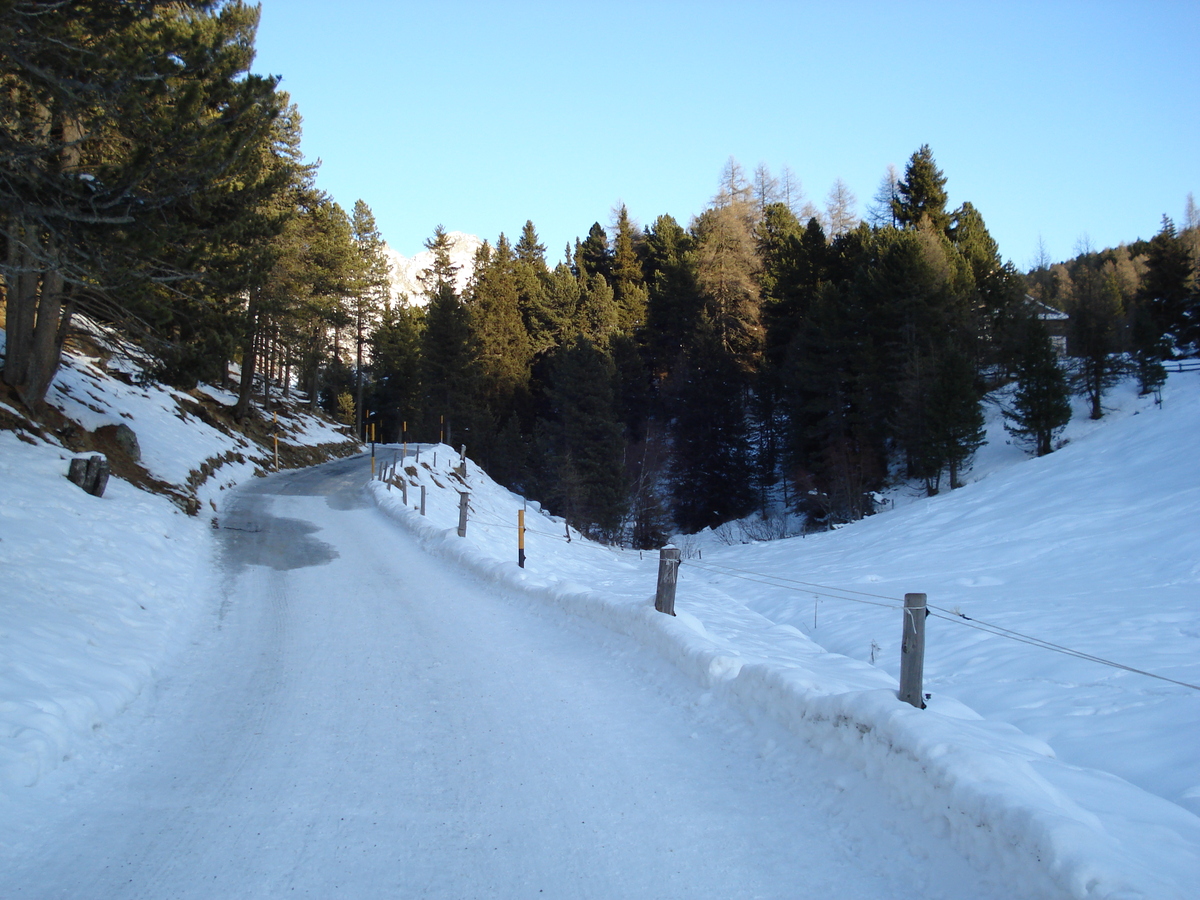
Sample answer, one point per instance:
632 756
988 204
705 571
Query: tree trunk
249 363
37 318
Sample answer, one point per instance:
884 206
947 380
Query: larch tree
840 204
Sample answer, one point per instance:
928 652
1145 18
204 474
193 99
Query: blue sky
1064 120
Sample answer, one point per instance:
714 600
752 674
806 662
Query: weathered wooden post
912 651
462 461
668 576
463 498
404 490
422 499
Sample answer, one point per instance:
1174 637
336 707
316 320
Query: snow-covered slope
406 271
1033 760
95 591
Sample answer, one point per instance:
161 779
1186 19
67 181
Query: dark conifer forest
761 355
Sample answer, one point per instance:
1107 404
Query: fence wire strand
816 590
937 612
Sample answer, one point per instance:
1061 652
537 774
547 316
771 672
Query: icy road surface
354 720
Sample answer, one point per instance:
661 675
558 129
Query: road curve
354 719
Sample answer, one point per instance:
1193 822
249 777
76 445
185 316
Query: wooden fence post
422 499
912 651
404 490
463 498
668 576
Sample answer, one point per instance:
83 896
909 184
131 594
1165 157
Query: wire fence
949 615
823 591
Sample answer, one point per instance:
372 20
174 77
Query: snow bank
1045 827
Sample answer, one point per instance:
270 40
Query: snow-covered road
353 719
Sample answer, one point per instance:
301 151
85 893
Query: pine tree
1167 290
112 118
586 439
628 281
396 370
593 257
371 292
1094 335
499 341
544 313
673 298
1041 405
955 413
922 193
711 465
449 377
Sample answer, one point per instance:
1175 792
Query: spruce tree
673 297
544 315
1041 405
499 342
1166 292
585 438
628 280
922 193
711 463
371 292
593 256
1096 315
396 370
449 379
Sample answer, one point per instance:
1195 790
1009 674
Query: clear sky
1068 121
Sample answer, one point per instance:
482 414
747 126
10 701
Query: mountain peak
406 270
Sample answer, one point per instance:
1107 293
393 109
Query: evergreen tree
499 341
371 291
628 283
956 415
673 297
586 439
1041 404
922 193
113 117
396 369
710 468
544 314
448 374
593 257
1094 334
1166 292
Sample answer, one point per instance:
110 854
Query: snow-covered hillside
96 591
406 270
